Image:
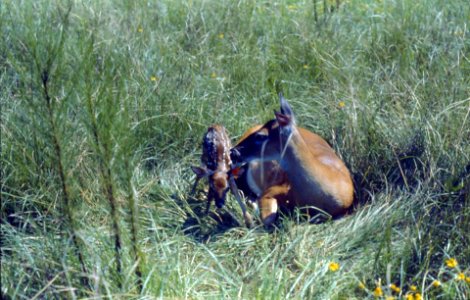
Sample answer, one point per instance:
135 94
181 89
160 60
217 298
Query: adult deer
262 181
255 177
317 178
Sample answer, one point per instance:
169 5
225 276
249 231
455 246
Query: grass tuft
104 105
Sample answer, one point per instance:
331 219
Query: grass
104 104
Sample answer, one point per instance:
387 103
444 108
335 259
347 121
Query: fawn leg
210 197
193 190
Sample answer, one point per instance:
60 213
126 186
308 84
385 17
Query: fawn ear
200 171
237 171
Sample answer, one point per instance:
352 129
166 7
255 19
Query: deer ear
285 107
282 119
199 171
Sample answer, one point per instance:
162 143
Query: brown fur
215 163
314 176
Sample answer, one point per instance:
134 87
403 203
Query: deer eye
261 136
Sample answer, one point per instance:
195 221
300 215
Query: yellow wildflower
306 67
221 35
362 286
213 75
418 296
458 32
153 78
378 292
341 104
140 29
460 276
436 283
409 296
291 7
395 288
389 298
467 279
451 262
413 288
333 266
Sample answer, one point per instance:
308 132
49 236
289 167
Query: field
104 105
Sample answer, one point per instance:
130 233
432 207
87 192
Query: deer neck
301 167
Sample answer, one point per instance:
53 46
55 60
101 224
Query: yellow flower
153 78
378 292
395 288
389 298
213 75
221 35
418 296
467 279
409 296
458 32
413 288
140 29
291 7
362 286
333 266
341 104
306 67
436 283
451 262
460 276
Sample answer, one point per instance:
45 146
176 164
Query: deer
215 164
261 181
315 178
253 179
216 167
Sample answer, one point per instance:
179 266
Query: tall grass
104 104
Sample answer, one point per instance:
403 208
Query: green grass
105 103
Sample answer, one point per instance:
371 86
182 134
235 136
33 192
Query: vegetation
104 104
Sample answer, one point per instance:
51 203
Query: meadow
104 105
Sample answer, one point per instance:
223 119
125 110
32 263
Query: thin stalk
315 13
63 179
114 212
68 211
134 230
105 170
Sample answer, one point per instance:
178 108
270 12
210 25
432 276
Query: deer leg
268 209
201 172
193 190
270 201
236 193
210 197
